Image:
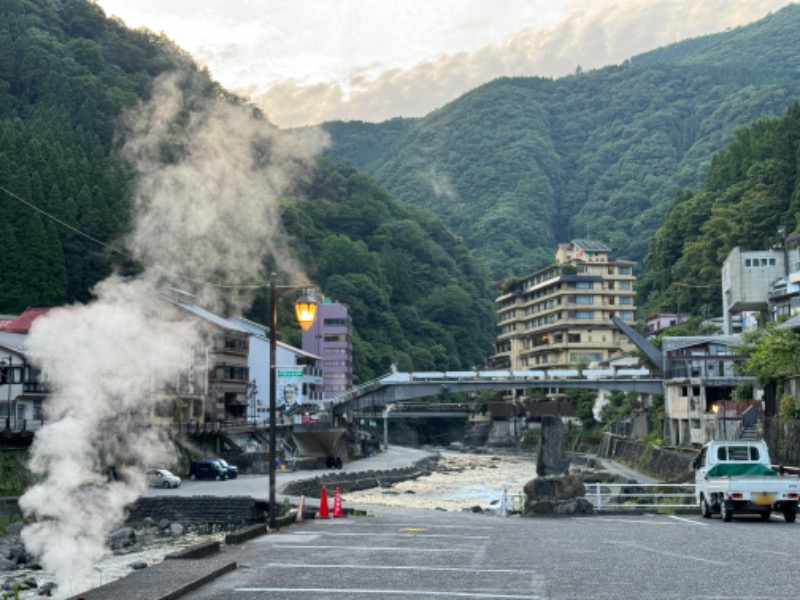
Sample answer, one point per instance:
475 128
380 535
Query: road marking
626 520
403 592
700 559
689 521
372 548
402 568
401 535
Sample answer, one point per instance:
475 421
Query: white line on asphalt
402 535
402 568
403 592
700 559
626 520
689 521
371 548
355 522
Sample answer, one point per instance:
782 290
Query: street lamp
305 311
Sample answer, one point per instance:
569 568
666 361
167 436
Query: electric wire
253 286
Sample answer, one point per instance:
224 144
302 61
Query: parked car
207 470
233 471
161 478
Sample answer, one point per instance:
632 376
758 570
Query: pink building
331 337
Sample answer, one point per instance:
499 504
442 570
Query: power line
64 223
122 252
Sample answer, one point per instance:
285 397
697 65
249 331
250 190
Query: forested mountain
752 192
518 165
67 73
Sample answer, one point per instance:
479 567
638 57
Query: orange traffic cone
337 504
323 505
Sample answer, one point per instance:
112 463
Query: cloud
590 38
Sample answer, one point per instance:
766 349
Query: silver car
161 478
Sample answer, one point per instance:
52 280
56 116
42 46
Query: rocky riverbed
460 482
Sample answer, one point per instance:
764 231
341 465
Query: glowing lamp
305 309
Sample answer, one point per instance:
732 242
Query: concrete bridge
402 387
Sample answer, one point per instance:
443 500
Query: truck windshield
737 453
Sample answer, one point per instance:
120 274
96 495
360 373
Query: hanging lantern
305 309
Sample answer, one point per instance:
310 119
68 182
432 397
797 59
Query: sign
289 386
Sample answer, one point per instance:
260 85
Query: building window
626 300
336 321
584 299
574 338
584 285
584 314
624 285
626 315
624 270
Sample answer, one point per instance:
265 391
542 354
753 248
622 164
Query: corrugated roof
12 341
591 245
22 324
669 344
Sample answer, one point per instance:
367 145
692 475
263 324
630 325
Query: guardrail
620 496
641 495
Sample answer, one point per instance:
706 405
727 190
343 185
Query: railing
620 496
641 495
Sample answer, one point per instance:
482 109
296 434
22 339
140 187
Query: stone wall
667 465
363 480
199 510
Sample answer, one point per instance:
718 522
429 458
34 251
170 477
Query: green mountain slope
751 192
519 165
67 73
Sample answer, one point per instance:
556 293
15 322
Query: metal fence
620 496
641 495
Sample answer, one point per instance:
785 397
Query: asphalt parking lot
403 553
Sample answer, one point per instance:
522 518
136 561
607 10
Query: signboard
289 386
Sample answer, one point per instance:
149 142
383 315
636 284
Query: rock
119 538
163 524
138 565
176 530
46 589
14 529
7 565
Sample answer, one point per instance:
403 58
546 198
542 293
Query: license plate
763 499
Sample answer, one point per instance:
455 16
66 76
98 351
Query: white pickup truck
737 477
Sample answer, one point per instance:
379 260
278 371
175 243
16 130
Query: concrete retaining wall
200 510
350 482
667 465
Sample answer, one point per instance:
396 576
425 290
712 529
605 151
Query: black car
232 470
207 470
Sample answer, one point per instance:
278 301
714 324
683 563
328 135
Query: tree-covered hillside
518 165
67 75
751 192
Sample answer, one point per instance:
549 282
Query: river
462 481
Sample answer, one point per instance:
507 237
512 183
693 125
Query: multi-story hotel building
331 337
561 316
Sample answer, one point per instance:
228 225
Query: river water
462 481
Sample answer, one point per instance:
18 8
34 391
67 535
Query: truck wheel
705 509
726 511
789 515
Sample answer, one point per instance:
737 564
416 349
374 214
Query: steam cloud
210 214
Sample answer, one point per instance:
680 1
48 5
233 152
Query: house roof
205 314
670 344
22 323
12 342
591 246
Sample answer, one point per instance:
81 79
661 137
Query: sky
308 61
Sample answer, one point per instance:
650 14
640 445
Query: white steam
210 214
